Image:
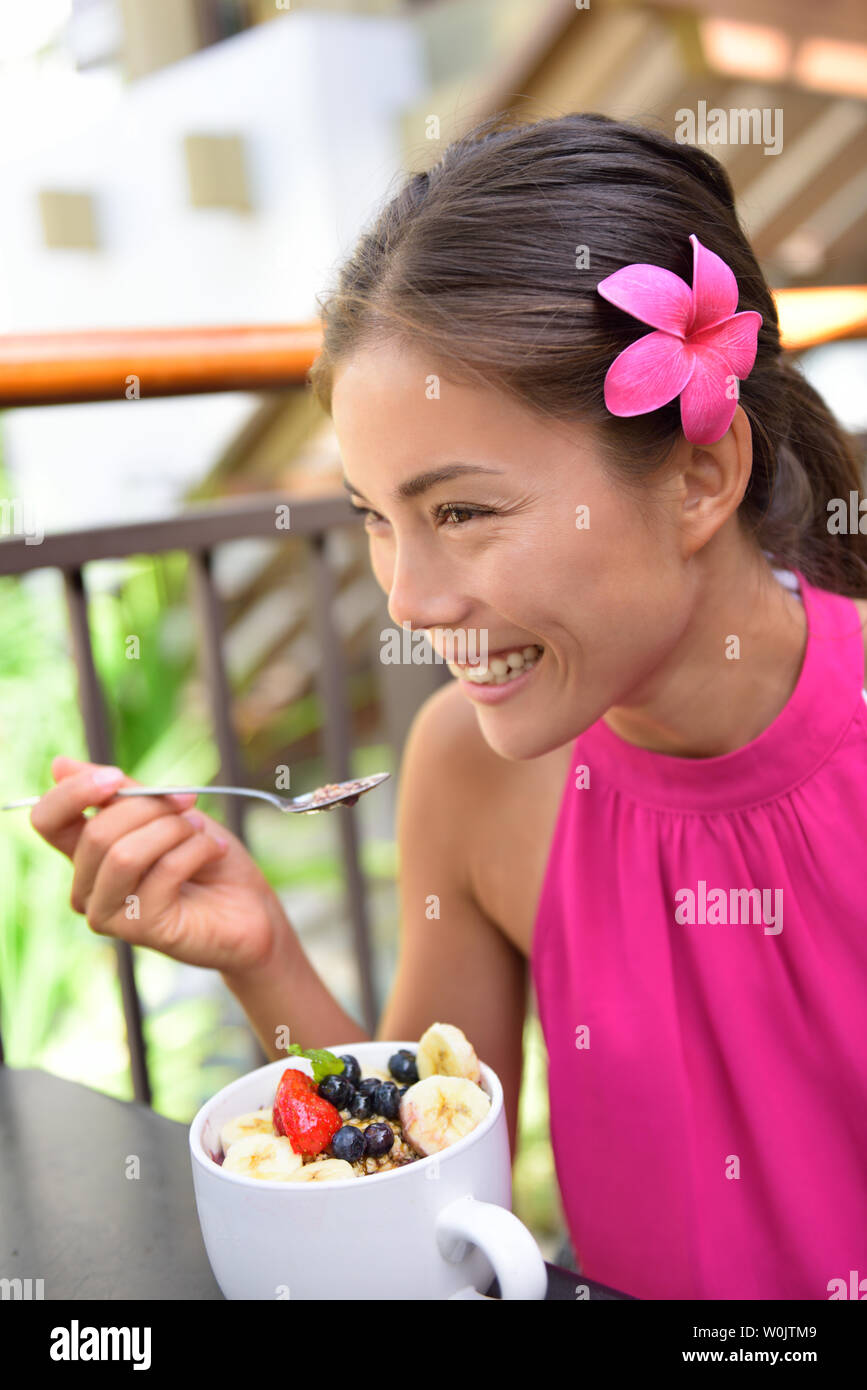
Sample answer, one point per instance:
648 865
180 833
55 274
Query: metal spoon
322 799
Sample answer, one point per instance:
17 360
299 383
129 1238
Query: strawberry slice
308 1120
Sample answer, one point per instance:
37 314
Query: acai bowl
427 1229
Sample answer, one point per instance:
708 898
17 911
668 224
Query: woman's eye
439 512
365 512
452 508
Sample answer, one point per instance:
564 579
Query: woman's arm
286 992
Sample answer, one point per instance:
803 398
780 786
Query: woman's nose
418 598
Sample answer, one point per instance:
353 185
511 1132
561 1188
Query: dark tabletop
70 1216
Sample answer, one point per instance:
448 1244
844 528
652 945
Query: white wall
316 98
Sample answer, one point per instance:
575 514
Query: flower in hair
700 346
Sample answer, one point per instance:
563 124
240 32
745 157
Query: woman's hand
152 871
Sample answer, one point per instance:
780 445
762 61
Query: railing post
99 747
197 533
331 681
207 602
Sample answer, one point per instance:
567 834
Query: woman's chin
517 743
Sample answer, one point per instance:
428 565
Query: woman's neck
704 700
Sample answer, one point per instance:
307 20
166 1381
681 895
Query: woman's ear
712 481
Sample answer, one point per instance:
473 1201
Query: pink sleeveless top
707 1047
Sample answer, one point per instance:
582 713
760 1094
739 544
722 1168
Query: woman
658 816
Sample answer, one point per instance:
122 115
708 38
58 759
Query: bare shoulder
479 780
447 723
500 812
446 751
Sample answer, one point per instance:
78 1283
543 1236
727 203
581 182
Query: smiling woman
672 693
671 697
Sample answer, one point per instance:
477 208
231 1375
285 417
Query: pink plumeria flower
701 344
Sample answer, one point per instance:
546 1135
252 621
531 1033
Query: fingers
131 859
62 766
59 817
160 888
107 832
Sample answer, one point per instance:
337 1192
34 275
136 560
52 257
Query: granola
397 1157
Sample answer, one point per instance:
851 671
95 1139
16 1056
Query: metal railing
198 532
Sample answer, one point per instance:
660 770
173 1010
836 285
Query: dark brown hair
475 261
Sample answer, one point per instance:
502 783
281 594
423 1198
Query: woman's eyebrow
423 482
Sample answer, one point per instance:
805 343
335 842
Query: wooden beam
116 363
843 19
811 316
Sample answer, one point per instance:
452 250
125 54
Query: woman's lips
493 692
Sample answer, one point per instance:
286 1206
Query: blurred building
204 161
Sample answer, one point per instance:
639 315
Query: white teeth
499 669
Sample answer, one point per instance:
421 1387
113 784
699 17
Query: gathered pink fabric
707 1045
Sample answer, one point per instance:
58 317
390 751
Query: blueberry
348 1143
378 1139
351 1070
402 1066
336 1089
401 1093
386 1100
361 1106
369 1085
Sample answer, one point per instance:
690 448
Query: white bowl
428 1229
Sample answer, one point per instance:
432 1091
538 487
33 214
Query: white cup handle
502 1238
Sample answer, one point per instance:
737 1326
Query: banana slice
263 1156
439 1110
327 1170
254 1122
375 1071
445 1051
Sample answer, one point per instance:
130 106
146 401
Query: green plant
535 1192
59 997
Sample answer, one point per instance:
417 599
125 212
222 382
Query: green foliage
535 1193
60 1003
47 964
60 999
324 1063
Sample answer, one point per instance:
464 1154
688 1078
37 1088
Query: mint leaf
324 1062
